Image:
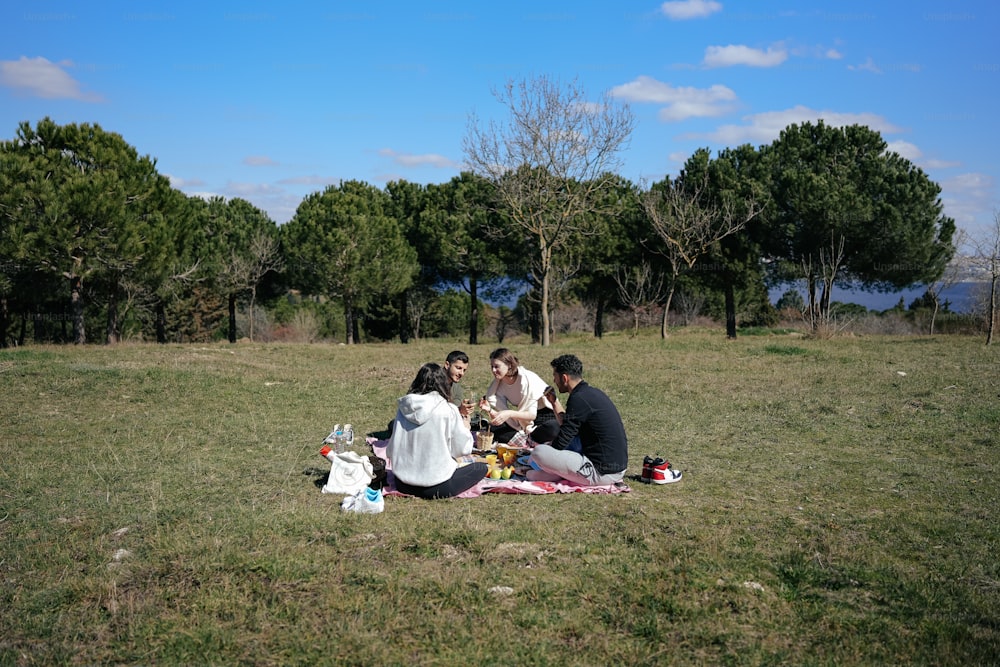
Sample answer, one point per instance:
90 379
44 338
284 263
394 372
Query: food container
484 440
508 454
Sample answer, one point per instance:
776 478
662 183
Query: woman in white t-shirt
516 402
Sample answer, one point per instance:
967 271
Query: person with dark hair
428 434
455 364
590 447
515 401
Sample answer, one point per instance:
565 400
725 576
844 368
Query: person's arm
527 408
460 438
570 420
489 401
553 398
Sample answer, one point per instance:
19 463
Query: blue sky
273 101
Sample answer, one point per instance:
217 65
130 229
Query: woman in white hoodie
427 436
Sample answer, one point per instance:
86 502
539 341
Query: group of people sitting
583 442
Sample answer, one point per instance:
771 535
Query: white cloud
205 194
833 54
681 103
905 149
738 54
912 153
868 66
177 182
39 77
309 180
426 160
247 190
279 204
765 127
681 10
970 199
259 161
934 163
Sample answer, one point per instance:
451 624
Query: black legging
463 479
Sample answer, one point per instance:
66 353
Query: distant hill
961 296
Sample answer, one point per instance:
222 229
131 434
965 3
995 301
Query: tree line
92 236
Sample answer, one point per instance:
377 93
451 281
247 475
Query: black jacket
592 416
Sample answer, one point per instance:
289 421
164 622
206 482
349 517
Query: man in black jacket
591 447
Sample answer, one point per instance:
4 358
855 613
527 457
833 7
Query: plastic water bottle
336 439
348 436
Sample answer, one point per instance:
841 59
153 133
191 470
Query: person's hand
550 395
499 418
465 409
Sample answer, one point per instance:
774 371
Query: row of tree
86 221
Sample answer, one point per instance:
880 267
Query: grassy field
159 505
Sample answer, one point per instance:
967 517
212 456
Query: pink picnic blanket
487 485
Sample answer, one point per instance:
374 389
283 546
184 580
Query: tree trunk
730 311
232 317
991 326
161 322
348 323
253 299
404 320
4 322
545 340
23 331
113 336
813 308
76 304
533 318
473 310
599 317
665 316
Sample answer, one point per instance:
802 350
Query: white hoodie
427 436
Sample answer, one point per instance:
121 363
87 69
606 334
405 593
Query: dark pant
464 479
546 428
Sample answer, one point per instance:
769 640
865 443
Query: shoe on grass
647 470
366 501
661 472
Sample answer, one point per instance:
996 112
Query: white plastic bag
350 472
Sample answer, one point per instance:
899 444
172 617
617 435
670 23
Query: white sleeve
460 438
532 390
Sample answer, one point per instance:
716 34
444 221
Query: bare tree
817 312
640 289
690 228
952 274
986 258
246 270
548 161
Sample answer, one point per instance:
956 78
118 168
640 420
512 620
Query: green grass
158 505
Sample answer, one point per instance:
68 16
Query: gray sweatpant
556 464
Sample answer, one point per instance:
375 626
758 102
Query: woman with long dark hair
428 435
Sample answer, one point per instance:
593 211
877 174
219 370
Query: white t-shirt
527 394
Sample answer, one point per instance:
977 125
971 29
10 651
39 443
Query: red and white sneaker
647 470
661 472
